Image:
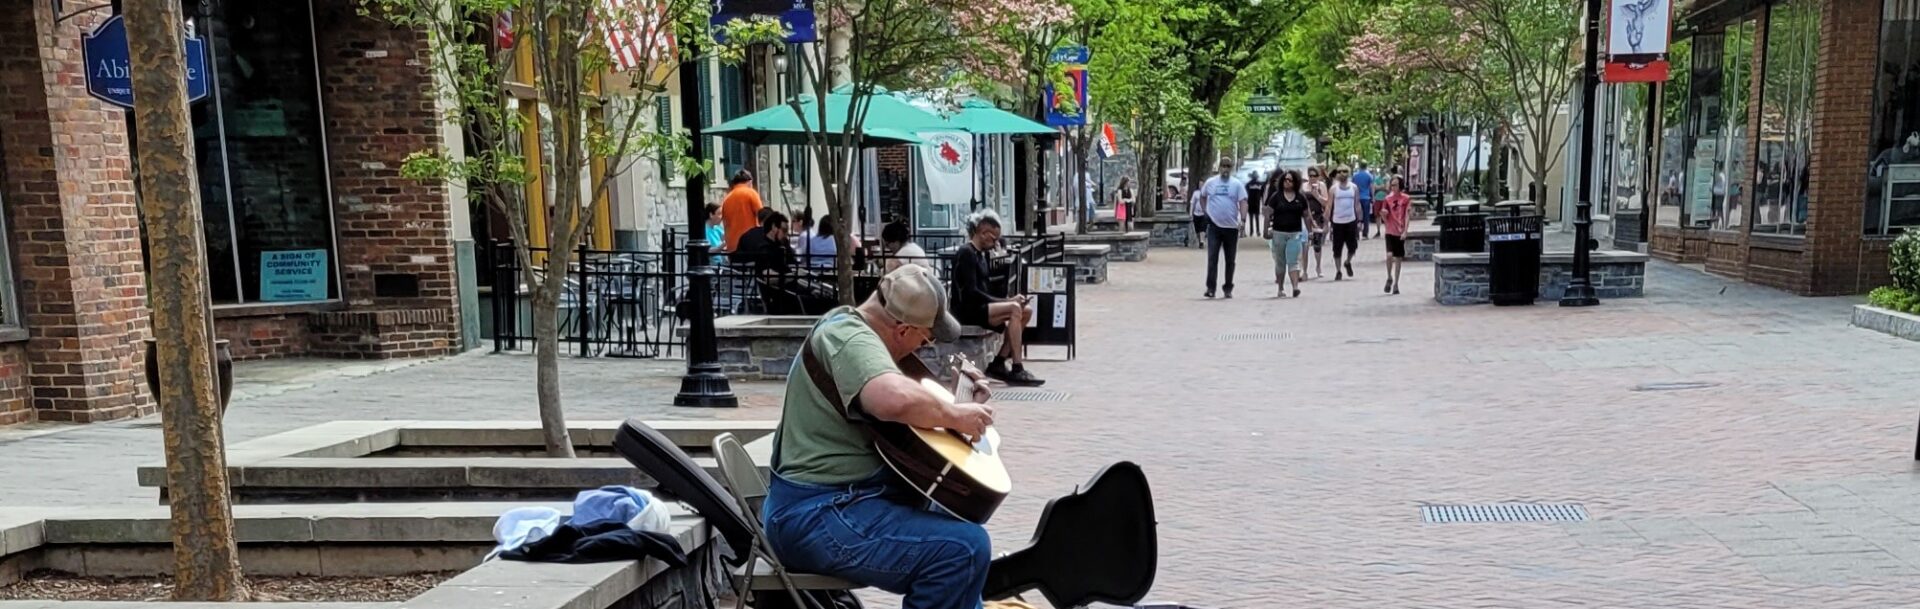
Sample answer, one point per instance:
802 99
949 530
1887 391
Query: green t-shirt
818 445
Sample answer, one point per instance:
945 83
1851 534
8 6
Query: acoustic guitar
964 478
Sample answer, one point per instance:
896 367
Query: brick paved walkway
1736 446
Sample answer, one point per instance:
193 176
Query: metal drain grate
1504 512
1252 336
1030 395
1681 386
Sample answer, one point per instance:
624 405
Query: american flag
503 30
637 32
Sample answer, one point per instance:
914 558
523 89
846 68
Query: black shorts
971 314
1319 240
1396 246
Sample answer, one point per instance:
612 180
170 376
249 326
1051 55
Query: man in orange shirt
740 211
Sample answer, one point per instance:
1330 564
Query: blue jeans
864 533
1366 216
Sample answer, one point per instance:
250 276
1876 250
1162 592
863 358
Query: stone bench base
1166 230
1089 262
1887 321
1124 247
763 347
1462 279
1422 243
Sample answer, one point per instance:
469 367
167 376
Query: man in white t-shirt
1226 205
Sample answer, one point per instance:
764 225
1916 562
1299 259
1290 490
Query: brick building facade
1787 190
292 166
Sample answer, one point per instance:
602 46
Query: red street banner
1653 71
1637 36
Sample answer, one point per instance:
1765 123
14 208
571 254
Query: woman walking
1286 209
1346 222
1317 200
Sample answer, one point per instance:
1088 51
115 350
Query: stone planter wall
1089 263
1462 279
1887 321
1167 229
763 347
1126 247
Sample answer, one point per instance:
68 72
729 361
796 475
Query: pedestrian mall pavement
1734 446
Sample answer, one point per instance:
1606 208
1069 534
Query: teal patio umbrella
889 121
982 118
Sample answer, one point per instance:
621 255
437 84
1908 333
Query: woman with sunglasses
1317 226
1286 208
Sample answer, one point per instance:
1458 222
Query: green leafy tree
1221 39
559 61
1140 81
1513 61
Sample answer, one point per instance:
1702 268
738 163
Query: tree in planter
509 71
867 46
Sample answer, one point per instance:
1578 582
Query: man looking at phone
975 305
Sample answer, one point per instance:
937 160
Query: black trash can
1514 241
1462 227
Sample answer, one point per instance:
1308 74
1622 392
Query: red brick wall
1839 262
380 108
74 227
16 404
264 337
1683 245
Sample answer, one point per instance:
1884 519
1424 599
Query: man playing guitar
833 507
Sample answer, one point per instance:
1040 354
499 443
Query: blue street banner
1073 60
110 68
796 16
293 275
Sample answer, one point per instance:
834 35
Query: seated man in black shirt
975 305
764 248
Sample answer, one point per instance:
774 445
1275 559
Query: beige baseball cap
913 295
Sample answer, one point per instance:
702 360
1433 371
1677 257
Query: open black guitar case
1095 545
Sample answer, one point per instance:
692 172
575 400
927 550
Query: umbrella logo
951 153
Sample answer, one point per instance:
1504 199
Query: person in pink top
1393 212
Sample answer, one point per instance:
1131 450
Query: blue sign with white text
110 70
293 275
796 17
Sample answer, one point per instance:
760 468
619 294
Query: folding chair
745 483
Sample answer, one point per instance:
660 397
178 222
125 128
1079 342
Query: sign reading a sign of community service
293 275
110 68
1637 36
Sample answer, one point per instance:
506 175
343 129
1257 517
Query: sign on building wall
293 275
1074 61
795 15
110 67
1637 35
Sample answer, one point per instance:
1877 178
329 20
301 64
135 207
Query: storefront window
1730 191
1705 124
262 156
1624 186
1673 136
1893 173
1786 118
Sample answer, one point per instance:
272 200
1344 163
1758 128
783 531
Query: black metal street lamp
704 385
1580 286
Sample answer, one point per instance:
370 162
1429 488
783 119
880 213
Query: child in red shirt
1394 212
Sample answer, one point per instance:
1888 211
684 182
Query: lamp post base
1579 294
705 386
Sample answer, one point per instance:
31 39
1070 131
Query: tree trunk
546 361
206 561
